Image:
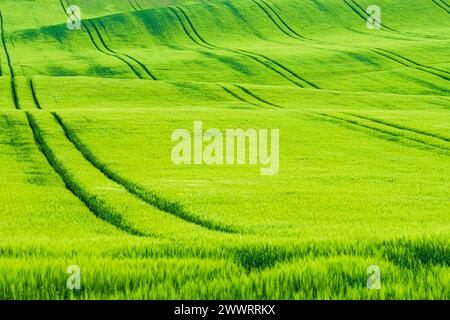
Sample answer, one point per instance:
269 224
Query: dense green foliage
86 118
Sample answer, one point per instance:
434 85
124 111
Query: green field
87 179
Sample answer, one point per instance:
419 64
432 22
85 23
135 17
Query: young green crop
87 179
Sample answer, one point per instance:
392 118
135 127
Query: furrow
93 204
136 190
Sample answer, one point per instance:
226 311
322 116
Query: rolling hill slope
87 115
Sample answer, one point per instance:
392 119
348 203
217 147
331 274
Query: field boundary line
429 146
89 201
136 190
14 92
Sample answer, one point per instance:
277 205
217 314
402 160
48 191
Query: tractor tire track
259 58
96 45
248 92
119 54
138 5
292 33
108 51
355 11
442 6
295 35
14 94
64 8
136 190
365 15
238 97
413 62
104 29
88 200
34 95
201 43
430 146
388 52
400 127
58 37
131 4
445 4
409 63
303 80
